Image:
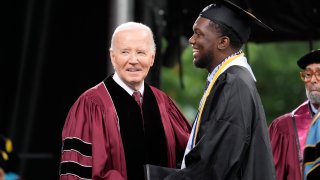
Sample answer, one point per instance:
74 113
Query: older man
288 133
122 123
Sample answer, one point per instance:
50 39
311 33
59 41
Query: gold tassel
4 155
9 146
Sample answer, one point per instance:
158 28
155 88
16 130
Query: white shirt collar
130 91
313 109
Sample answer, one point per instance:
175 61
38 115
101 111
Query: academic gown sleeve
86 146
181 128
284 148
176 126
230 146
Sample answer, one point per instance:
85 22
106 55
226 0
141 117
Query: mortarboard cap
312 57
236 18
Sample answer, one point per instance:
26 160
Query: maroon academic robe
92 144
284 144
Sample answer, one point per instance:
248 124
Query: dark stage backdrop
51 51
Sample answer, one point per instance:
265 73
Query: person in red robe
288 132
108 134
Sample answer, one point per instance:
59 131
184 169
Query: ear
223 42
153 56
112 57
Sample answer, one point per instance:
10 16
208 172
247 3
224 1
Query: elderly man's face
132 56
313 86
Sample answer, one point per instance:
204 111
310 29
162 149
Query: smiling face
313 87
204 42
132 55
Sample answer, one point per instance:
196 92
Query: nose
314 79
134 58
191 40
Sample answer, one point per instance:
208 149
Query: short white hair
133 25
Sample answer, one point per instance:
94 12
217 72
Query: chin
135 80
199 64
314 97
196 62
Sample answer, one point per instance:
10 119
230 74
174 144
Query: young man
229 139
288 133
109 134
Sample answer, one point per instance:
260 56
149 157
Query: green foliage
275 68
194 79
277 73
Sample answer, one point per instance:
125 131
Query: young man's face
204 41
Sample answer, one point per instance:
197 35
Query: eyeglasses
306 76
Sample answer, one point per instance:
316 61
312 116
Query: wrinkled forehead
313 66
137 33
133 38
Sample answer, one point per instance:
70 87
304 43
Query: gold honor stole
206 94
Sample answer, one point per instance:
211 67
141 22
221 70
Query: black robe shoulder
233 141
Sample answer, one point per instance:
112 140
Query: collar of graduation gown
240 61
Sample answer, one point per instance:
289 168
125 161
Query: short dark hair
235 41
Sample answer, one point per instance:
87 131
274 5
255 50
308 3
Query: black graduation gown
233 141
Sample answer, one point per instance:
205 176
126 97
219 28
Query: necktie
137 96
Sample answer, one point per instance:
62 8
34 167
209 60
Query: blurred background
53 50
